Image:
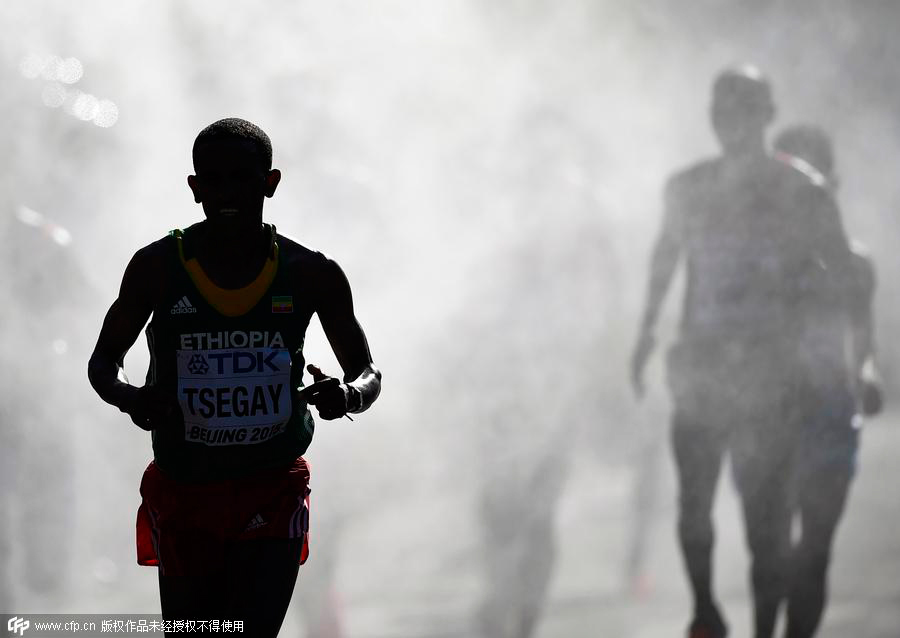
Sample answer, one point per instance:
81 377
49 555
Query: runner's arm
121 327
862 335
861 326
663 263
362 379
830 241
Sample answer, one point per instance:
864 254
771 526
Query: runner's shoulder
800 171
698 175
302 261
142 281
151 259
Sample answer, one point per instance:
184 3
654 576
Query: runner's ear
272 179
195 188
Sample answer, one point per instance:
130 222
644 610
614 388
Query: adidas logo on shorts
255 523
183 307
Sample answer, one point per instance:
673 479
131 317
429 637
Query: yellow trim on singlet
231 302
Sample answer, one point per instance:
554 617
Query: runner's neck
232 263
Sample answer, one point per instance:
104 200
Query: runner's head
811 144
741 109
233 174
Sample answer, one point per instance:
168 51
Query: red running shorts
183 528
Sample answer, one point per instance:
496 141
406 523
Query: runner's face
740 113
739 127
231 184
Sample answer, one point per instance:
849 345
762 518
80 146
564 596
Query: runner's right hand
151 408
328 394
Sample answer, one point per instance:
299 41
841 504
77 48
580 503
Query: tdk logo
183 307
198 364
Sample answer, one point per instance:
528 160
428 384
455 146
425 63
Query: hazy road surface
411 570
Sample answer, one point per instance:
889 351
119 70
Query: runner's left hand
872 397
328 394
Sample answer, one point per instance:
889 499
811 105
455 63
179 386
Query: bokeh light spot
60 235
29 216
107 113
85 107
70 70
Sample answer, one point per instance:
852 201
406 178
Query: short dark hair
743 85
236 128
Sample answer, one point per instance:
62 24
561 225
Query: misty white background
426 146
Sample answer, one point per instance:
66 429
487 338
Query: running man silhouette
224 513
840 389
750 229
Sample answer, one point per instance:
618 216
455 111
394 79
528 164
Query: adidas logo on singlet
183 307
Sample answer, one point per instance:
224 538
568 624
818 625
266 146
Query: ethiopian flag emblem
283 304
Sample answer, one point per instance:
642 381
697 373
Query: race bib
238 396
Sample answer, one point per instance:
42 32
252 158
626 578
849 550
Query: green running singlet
233 358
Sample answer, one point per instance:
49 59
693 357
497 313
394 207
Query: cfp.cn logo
17 625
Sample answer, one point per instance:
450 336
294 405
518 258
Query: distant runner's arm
862 335
362 379
121 327
861 326
831 242
663 263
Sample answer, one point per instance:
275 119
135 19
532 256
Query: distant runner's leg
698 450
762 458
825 483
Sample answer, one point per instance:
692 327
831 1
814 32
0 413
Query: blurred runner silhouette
752 230
841 385
526 426
537 319
225 501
